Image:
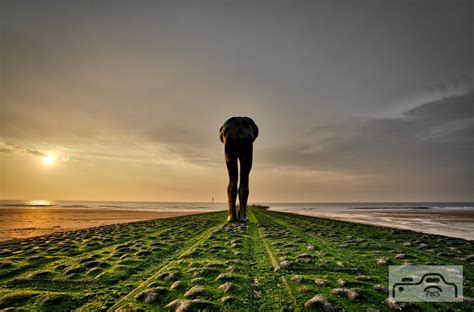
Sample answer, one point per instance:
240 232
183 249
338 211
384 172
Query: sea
209 206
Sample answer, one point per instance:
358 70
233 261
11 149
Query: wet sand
29 222
453 223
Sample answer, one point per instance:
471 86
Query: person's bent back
238 135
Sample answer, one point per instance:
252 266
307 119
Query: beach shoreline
458 223
18 223
26 222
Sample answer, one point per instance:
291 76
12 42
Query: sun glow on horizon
39 202
49 160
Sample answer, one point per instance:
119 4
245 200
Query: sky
355 100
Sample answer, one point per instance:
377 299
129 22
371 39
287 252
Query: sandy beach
452 222
29 222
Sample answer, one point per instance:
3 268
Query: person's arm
254 127
221 134
255 131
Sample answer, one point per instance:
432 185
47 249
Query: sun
49 160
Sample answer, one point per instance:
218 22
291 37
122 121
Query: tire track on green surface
276 266
203 237
314 239
280 221
251 255
273 261
288 289
267 296
329 246
287 215
284 219
356 265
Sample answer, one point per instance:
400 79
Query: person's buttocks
238 135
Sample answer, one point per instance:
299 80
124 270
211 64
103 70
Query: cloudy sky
355 100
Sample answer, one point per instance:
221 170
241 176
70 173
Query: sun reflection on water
39 202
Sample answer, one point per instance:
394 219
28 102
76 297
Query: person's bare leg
245 167
232 169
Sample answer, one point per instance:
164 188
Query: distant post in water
238 135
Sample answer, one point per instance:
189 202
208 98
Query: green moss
15 299
269 264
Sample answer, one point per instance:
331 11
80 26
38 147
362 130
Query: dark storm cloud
431 138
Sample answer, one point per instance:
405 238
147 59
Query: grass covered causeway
276 262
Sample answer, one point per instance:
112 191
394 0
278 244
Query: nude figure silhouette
238 135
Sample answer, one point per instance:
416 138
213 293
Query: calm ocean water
186 206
